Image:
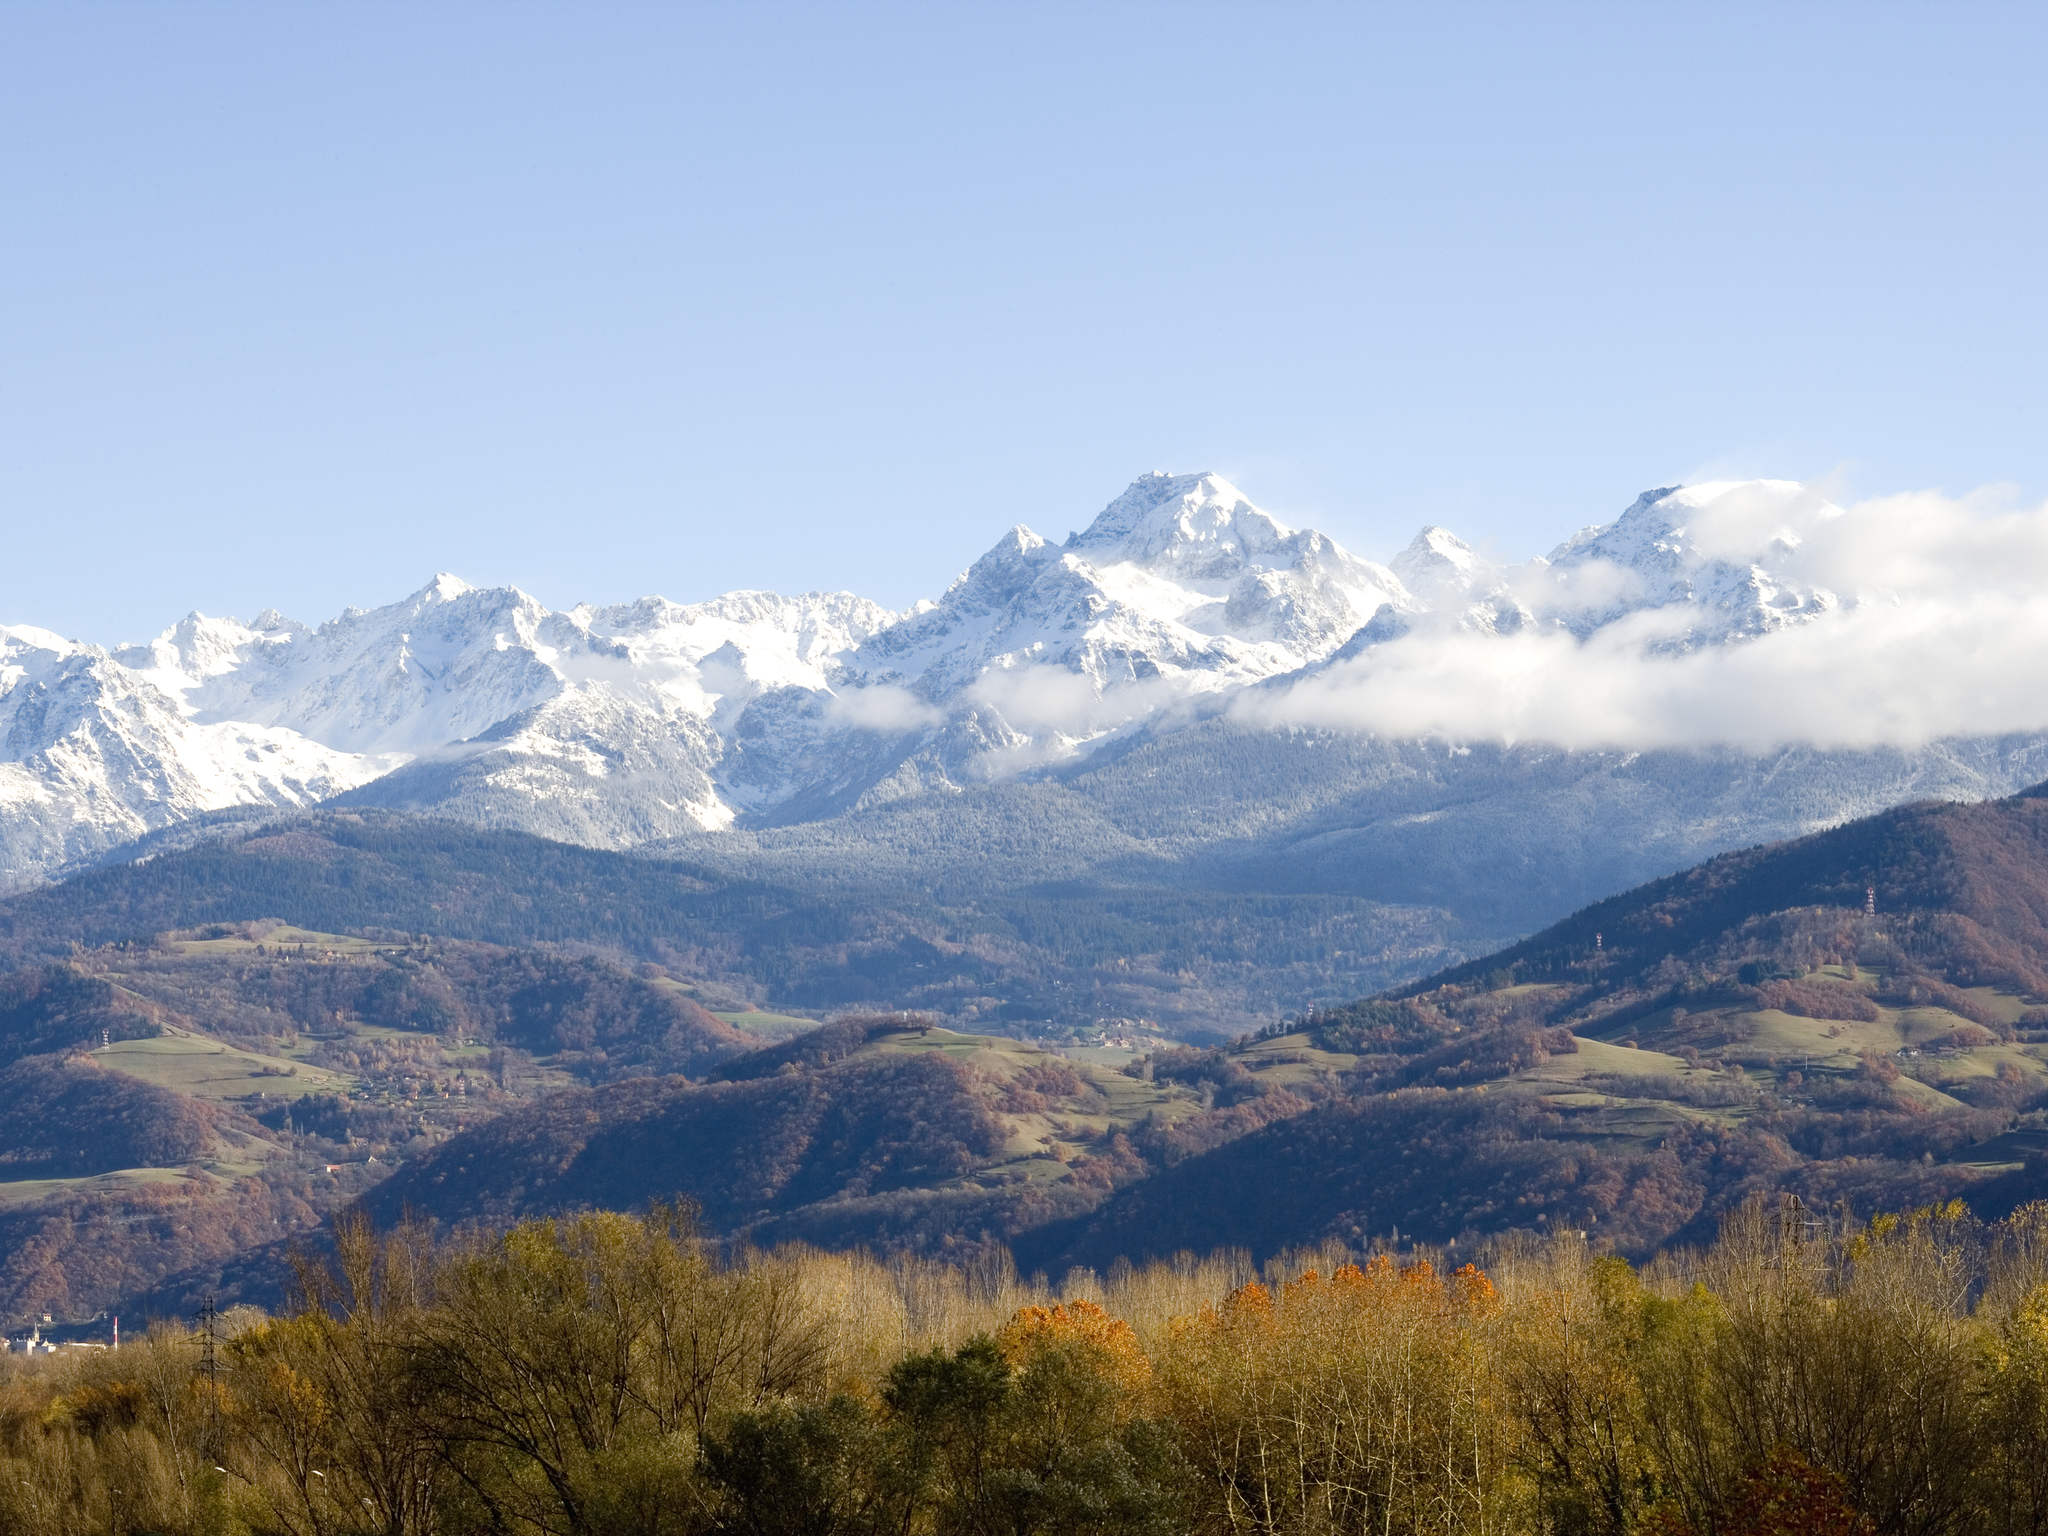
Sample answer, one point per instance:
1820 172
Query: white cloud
1938 547
882 707
1740 521
1052 711
1585 586
1944 632
1044 698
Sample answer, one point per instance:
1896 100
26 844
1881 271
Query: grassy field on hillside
1075 1124
27 1191
767 1026
1642 1077
209 1069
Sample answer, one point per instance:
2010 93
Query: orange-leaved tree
1106 1344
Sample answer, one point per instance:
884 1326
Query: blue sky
303 305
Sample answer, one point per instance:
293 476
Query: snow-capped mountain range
620 725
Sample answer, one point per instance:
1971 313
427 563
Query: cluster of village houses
33 1342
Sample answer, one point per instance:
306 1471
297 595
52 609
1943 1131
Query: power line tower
209 1367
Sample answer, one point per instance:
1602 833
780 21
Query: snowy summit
617 725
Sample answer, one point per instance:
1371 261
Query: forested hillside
1963 889
1746 1027
1635 1072
1048 955
883 1131
171 1102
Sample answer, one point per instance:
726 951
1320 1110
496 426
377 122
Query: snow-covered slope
1180 579
619 725
94 753
1653 557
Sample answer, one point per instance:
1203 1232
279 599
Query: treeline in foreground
607 1374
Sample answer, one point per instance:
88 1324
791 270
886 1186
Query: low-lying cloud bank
1867 677
1942 631
882 707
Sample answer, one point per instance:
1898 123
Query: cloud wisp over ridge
1928 618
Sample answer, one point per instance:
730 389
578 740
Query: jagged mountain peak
1180 582
1013 560
1139 500
446 587
452 593
1640 518
1716 548
1436 557
1662 522
32 637
271 622
1019 540
1166 516
1440 543
649 718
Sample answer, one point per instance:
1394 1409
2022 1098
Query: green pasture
236 946
210 1069
770 1027
19 1192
